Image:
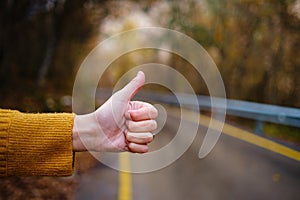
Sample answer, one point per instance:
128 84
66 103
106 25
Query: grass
284 133
287 134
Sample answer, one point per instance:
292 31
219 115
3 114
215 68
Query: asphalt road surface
233 170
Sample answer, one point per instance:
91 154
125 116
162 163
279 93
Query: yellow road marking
239 134
125 190
125 184
255 139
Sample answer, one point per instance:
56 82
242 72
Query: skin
119 124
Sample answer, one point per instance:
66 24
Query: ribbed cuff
4 126
39 145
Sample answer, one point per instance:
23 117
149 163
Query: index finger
143 113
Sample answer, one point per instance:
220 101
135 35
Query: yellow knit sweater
35 144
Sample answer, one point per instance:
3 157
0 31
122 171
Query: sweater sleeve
35 144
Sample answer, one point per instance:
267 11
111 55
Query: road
234 169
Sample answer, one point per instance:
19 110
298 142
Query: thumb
133 86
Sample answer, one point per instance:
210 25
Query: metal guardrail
257 111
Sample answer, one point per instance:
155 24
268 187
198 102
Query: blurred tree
253 42
42 43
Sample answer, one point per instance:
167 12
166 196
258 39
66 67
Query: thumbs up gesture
119 124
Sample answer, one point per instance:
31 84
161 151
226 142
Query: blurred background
255 44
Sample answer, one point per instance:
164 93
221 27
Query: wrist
84 127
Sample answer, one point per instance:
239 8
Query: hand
119 124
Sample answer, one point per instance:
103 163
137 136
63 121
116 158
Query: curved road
233 170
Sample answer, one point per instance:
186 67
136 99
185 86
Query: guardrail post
259 127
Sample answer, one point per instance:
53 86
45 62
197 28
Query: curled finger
139 138
138 148
141 126
144 113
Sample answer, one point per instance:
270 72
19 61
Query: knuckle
154 113
153 125
129 137
150 138
130 125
